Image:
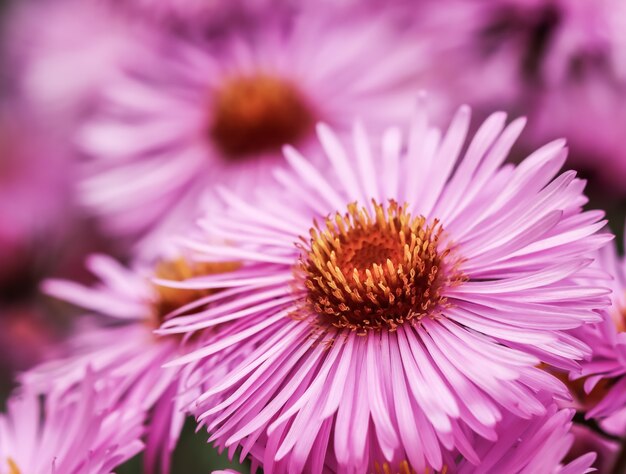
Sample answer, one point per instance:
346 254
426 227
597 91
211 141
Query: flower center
367 272
170 299
258 114
403 468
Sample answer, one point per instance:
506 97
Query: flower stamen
368 272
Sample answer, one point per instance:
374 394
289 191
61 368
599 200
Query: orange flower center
258 114
367 272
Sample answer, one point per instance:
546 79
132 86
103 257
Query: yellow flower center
367 272
170 299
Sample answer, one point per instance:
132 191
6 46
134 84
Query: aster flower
201 113
364 296
604 380
121 348
72 434
537 446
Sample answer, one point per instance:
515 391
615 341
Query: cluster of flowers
310 248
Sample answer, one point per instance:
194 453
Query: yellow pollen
368 272
170 299
258 114
13 469
403 468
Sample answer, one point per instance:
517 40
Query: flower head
74 433
538 445
120 347
363 297
604 374
197 114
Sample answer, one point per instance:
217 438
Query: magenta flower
76 433
604 373
397 304
532 447
119 345
195 114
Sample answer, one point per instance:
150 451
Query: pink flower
76 433
604 373
196 114
537 446
119 345
397 303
